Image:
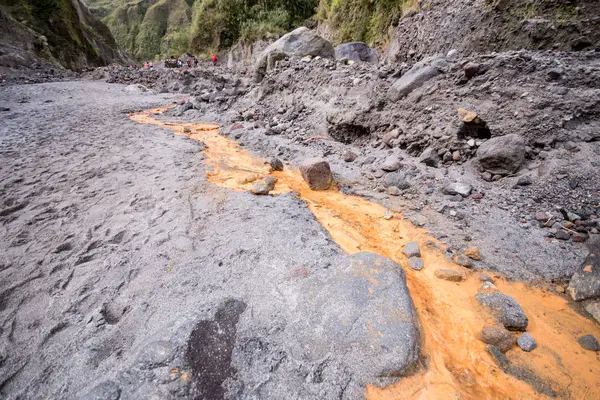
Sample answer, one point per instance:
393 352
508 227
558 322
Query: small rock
349 156
369 160
571 216
456 155
3 109
562 235
264 186
457 188
471 69
412 250
393 191
449 275
525 180
498 336
505 309
502 155
462 260
554 74
430 157
396 179
390 136
483 277
473 253
276 164
486 176
589 342
416 263
317 173
526 342
392 163
488 286
541 217
579 237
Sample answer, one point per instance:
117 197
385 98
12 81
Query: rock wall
483 26
63 33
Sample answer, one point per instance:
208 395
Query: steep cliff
62 32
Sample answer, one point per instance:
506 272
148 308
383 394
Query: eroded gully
455 363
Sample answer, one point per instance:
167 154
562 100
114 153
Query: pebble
589 342
473 253
391 164
462 260
485 277
525 181
264 186
526 342
498 336
488 286
561 234
462 189
412 250
394 191
449 275
416 263
349 156
276 164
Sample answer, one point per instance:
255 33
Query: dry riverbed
129 268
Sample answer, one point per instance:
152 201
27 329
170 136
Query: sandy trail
112 240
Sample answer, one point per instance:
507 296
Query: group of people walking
178 62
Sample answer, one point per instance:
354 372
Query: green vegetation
363 20
147 29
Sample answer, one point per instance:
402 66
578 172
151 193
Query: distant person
189 63
151 65
195 62
214 59
146 65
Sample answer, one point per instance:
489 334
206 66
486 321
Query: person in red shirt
214 59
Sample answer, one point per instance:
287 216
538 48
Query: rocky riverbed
131 269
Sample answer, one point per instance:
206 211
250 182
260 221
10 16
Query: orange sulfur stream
456 365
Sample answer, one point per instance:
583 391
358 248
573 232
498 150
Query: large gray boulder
300 42
412 80
356 51
502 155
364 315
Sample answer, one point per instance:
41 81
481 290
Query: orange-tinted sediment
456 363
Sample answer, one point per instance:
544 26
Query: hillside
62 32
160 28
